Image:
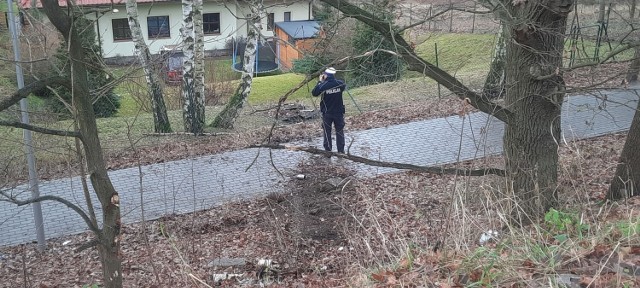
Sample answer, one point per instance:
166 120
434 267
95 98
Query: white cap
330 70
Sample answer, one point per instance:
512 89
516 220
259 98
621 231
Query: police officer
332 107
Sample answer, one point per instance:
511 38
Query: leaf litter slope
376 231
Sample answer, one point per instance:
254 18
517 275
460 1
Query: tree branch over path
416 63
403 166
38 129
77 209
26 90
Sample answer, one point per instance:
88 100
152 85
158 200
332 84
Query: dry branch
402 166
77 209
26 90
38 129
186 133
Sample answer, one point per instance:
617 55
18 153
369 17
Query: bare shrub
38 45
138 91
220 84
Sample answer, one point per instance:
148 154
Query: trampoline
266 57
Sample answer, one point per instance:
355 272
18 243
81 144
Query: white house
161 21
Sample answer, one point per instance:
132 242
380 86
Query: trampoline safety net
266 56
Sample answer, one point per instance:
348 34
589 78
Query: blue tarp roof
300 29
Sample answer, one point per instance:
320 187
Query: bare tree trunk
160 119
534 93
626 182
109 246
634 67
632 9
231 111
199 57
193 108
601 10
494 84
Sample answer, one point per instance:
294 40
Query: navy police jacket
332 88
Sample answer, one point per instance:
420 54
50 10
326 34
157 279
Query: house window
120 28
271 17
211 23
158 27
287 16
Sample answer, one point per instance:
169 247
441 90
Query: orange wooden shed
295 38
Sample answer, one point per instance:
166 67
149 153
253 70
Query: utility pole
28 143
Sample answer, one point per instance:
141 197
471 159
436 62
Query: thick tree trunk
494 84
626 182
193 108
231 111
160 119
109 245
634 68
534 94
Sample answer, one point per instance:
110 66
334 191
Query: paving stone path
194 184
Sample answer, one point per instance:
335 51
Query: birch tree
193 108
231 111
160 119
199 54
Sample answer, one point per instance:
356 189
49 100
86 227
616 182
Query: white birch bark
199 59
193 122
160 119
227 117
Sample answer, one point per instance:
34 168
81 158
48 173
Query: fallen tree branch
77 209
186 133
42 130
402 166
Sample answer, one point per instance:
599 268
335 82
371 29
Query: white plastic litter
488 236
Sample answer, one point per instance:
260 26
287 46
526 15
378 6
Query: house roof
25 4
300 29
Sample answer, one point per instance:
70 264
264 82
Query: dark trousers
336 120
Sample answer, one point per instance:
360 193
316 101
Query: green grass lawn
269 89
458 53
465 55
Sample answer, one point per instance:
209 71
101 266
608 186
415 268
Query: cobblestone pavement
194 184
